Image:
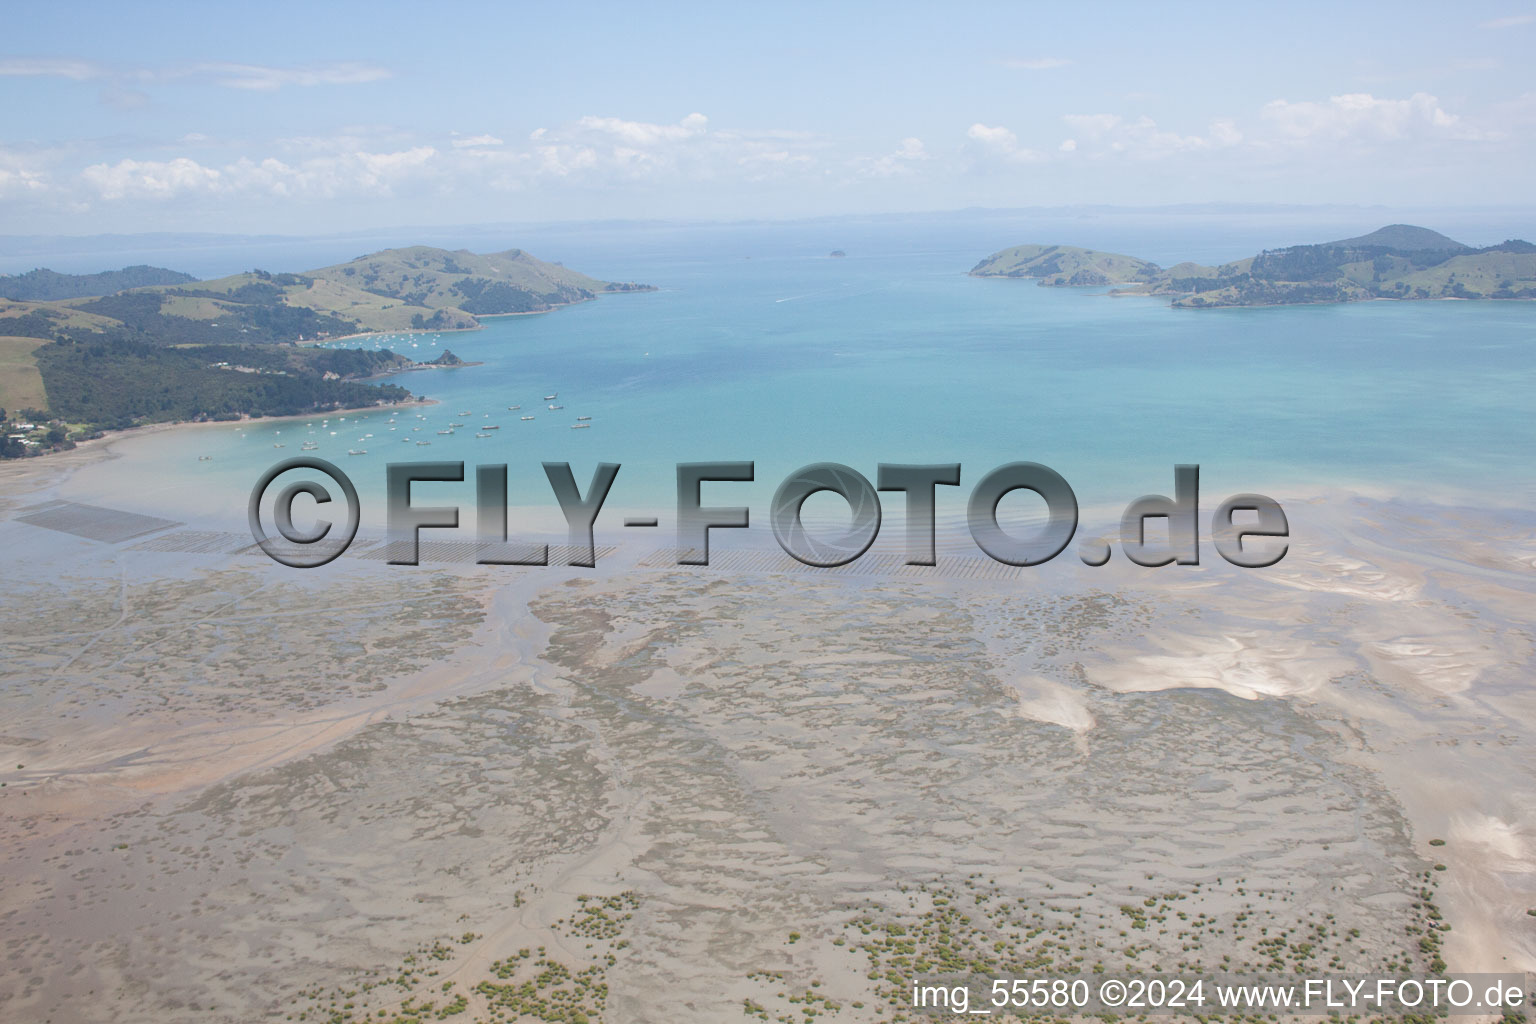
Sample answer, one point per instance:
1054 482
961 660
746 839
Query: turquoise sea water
785 356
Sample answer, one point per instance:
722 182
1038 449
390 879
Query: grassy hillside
1404 238
416 288
1399 261
435 279
186 350
21 385
1066 266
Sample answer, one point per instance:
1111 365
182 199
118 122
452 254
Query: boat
310 447
582 426
491 426
420 444
554 407
279 446
582 419
455 424
466 413
527 418
445 431
551 398
357 451
485 435
513 408
205 458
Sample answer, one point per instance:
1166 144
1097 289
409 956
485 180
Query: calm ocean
761 346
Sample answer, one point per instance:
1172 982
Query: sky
302 118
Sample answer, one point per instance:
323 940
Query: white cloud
998 141
1141 139
18 182
477 140
998 136
231 75
604 150
150 179
350 139
1361 117
640 133
1036 63
1092 126
264 78
48 67
771 157
1223 132
1513 21
563 161
902 161
1339 120
324 177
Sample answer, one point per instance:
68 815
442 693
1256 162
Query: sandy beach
235 791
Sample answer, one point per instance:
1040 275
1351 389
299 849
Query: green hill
435 279
1066 266
46 285
417 288
120 383
1404 238
1399 261
186 349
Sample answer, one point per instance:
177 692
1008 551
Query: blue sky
303 118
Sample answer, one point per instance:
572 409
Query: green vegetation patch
120 383
528 985
1400 261
21 384
44 285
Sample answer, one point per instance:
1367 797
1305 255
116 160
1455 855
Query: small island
446 361
1399 261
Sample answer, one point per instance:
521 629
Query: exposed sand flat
245 788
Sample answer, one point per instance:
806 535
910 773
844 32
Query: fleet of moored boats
482 430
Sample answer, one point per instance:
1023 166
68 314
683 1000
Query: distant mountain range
1399 261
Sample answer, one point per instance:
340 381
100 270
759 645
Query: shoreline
120 434
1274 644
1173 299
145 429
1350 635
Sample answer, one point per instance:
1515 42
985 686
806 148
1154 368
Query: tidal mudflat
238 792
